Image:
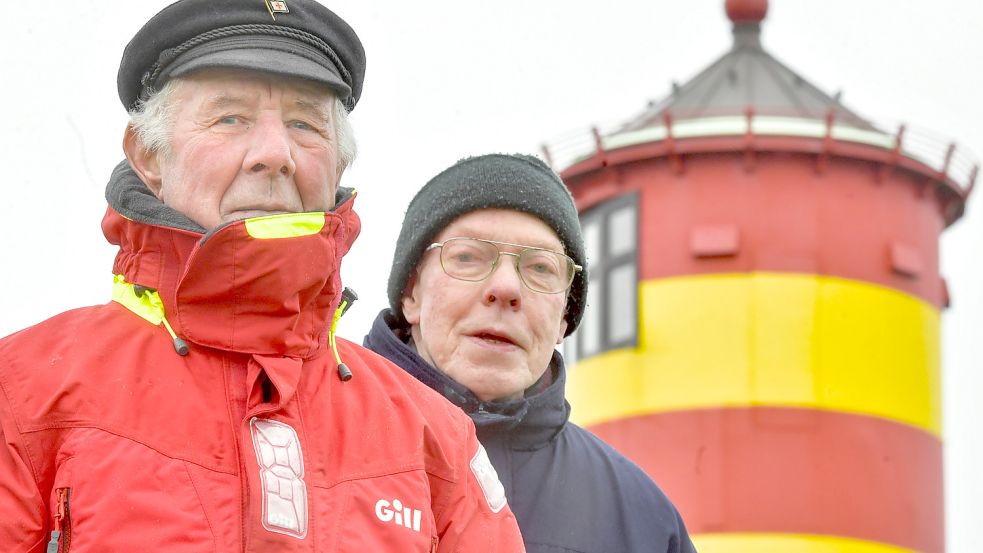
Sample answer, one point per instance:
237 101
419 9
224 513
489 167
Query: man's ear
337 182
145 164
563 330
410 301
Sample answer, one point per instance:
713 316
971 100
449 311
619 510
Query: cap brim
265 54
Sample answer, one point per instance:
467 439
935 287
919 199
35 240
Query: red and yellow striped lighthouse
762 333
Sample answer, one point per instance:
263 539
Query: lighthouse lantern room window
611 318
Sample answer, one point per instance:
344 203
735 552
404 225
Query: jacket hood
531 422
266 286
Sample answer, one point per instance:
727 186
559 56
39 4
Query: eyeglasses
474 259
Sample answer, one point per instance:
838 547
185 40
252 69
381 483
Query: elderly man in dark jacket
487 278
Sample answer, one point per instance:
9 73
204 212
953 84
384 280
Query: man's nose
270 149
503 285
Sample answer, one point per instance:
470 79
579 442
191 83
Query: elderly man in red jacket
208 406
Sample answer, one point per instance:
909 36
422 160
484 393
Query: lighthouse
762 332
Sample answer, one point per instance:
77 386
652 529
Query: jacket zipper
61 536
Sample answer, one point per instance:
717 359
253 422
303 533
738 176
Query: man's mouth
494 338
252 213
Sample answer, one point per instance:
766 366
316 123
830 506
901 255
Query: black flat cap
292 38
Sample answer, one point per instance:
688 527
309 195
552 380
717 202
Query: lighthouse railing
951 161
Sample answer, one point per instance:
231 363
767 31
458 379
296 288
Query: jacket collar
531 422
267 286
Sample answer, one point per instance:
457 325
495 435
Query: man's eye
541 263
229 120
301 125
542 268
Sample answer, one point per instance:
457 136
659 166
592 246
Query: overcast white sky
451 78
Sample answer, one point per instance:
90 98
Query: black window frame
600 267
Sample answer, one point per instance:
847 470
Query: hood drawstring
348 297
146 303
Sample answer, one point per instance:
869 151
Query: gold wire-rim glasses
484 269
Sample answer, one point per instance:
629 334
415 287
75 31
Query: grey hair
153 120
344 135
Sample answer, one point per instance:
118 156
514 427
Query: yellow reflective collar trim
148 306
285 225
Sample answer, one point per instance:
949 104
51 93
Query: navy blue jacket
570 491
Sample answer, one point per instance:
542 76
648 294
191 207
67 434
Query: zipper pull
53 544
60 513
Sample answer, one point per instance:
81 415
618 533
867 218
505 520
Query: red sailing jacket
112 441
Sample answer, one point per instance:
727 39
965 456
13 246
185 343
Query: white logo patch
487 478
398 514
281 470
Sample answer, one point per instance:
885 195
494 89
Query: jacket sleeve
477 516
685 544
23 521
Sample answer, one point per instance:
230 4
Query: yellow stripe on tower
788 543
770 339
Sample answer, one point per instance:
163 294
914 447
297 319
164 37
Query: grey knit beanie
519 182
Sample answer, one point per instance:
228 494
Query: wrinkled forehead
503 225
